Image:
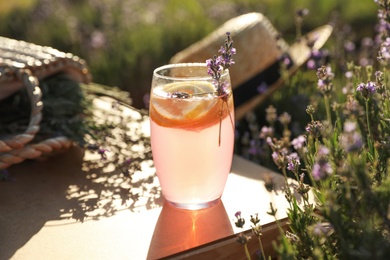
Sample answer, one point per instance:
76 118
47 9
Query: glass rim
181 65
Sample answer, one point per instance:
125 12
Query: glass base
194 206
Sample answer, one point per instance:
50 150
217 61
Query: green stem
338 118
327 107
288 191
261 248
248 256
368 120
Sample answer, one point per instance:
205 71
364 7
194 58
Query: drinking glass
192 133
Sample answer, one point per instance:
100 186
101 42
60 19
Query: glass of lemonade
192 133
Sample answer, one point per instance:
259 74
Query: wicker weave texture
23 64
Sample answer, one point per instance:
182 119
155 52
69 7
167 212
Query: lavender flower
349 46
317 59
218 64
322 168
311 64
254 149
146 100
325 77
323 151
240 222
262 88
315 129
384 51
323 229
298 142
349 126
351 140
242 239
269 141
293 162
255 219
280 158
285 118
367 42
271 115
348 74
367 89
310 110
103 153
379 76
352 107
266 132
292 236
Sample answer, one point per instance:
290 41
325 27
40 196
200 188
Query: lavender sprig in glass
216 67
218 64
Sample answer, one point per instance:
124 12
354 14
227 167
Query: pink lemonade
192 139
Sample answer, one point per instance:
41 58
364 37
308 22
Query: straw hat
259 52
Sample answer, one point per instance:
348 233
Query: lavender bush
340 160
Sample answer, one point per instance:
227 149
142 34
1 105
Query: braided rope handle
15 149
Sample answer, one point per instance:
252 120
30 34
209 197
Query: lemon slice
185 105
183 100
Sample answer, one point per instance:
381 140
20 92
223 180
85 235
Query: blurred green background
123 41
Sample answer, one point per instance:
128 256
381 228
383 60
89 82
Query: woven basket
23 65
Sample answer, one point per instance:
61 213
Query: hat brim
255 91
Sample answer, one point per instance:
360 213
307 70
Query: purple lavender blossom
348 74
262 88
325 77
367 89
217 64
349 46
280 158
311 64
266 132
269 141
378 75
367 42
254 148
240 221
317 59
322 168
349 126
298 142
384 50
103 153
286 61
315 129
293 162
351 140
321 84
371 86
146 99
275 156
322 229
323 151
